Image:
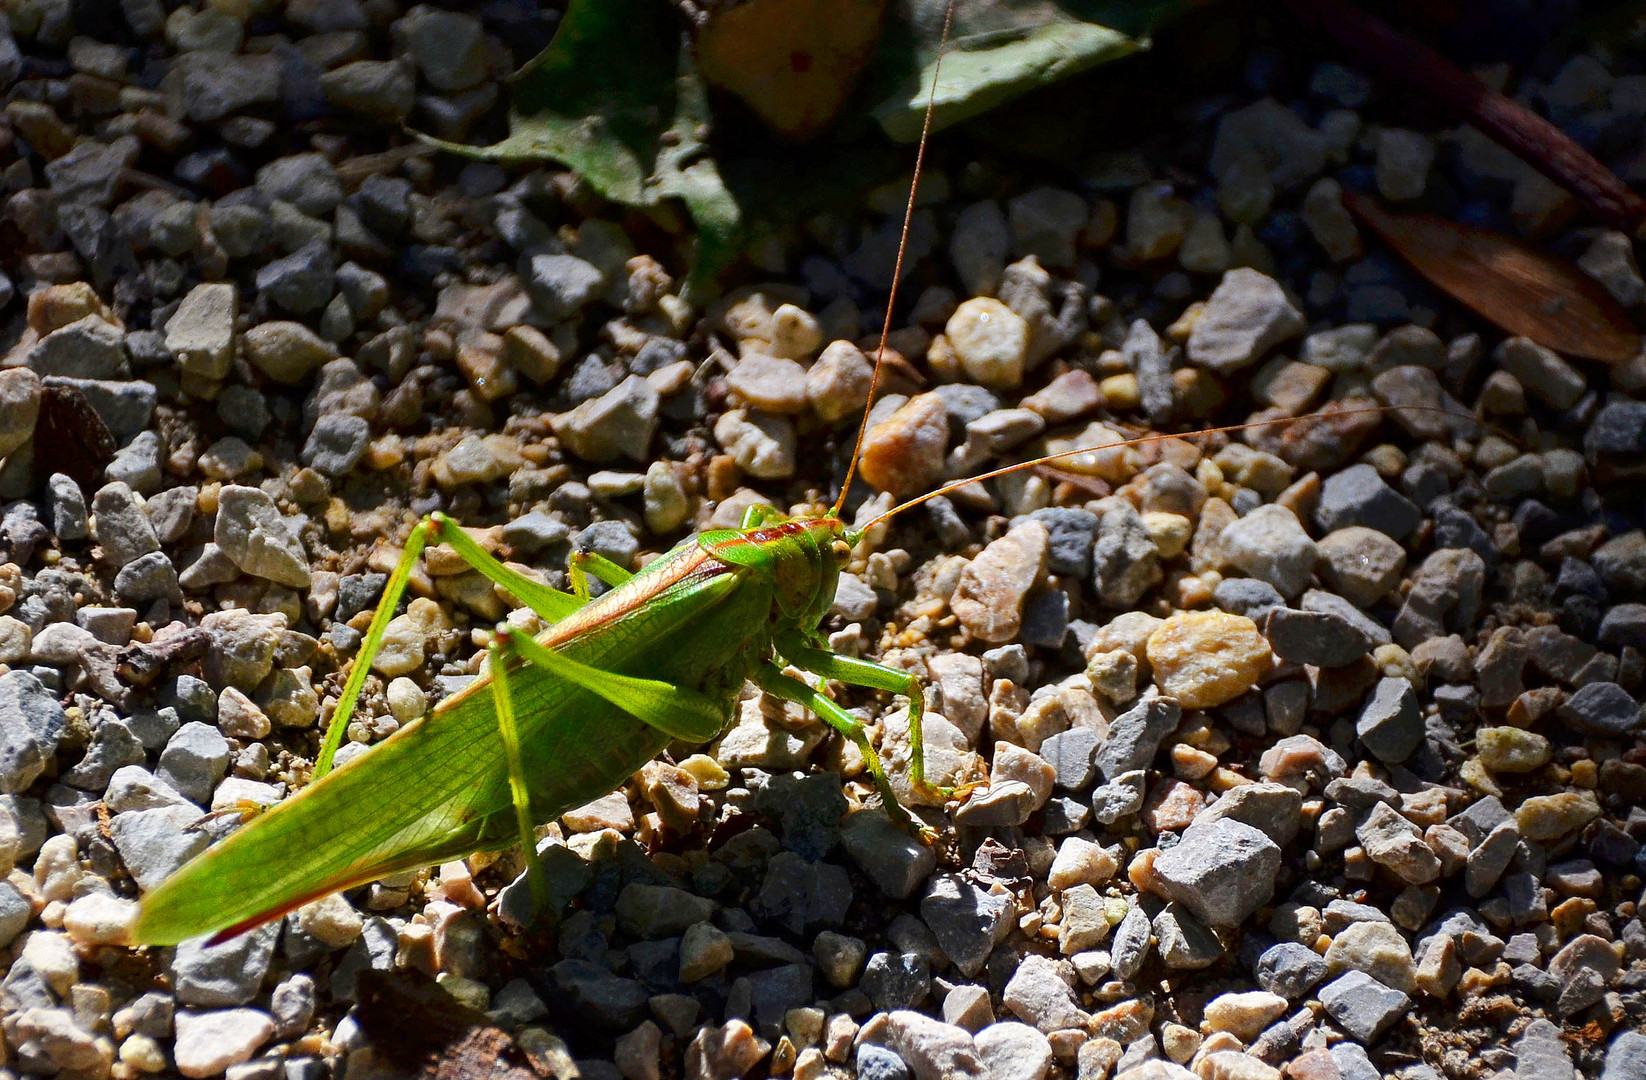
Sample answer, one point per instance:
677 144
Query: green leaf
999 49
616 98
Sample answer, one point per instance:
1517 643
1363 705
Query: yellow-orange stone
1205 658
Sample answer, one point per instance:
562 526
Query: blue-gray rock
611 539
801 895
1541 1054
307 181
1136 734
153 843
1130 945
1045 619
896 980
1320 638
146 578
1618 430
1353 1062
1455 527
895 861
300 282
31 723
1183 942
1072 531
21 532
1289 969
336 444
967 920
533 531
1062 815
1073 754
15 913
1359 496
595 994
1247 596
1125 561
218 976
1390 724
125 405
777 990
1602 708
807 810
1120 797
1362 1006
374 950
1221 870
878 1063
1626 1057
137 464
194 760
560 285
1332 604
112 746
68 507
123 530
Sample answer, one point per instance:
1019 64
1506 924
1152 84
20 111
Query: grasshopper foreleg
770 679
865 673
580 564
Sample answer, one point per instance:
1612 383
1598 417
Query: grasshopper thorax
801 558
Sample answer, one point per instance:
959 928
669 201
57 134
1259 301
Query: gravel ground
1315 752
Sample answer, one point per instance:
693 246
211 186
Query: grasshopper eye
841 550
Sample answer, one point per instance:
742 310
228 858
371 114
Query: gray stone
1246 316
146 578
113 746
895 861
560 285
1125 561
1073 754
598 996
1247 596
1071 531
1269 544
1359 496
1135 736
88 348
967 920
215 976
619 423
1586 966
1314 637
1602 708
1362 1006
123 530
215 85
194 760
31 723
879 1063
382 90
1183 942
1221 871
1625 1057
306 181
1130 945
1541 1054
1040 995
300 282
153 843
251 532
896 980
1289 969
1390 723
1120 797
336 444
801 894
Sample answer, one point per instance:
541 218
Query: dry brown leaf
1508 282
794 62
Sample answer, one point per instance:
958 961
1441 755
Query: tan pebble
770 383
1244 1015
1071 394
904 453
1206 658
988 601
1549 817
1121 391
1511 749
837 385
990 340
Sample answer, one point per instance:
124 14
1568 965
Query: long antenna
1144 440
897 269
